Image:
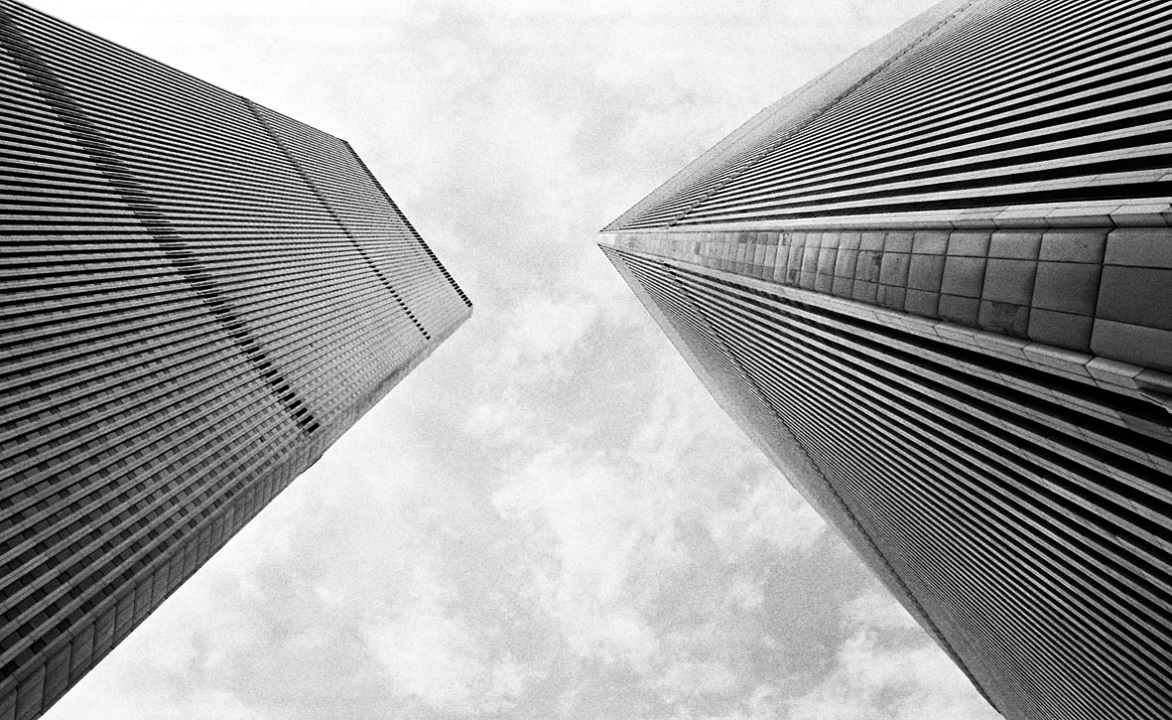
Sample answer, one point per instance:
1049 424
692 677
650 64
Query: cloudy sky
550 518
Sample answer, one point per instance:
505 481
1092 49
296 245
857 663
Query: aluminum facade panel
199 296
935 292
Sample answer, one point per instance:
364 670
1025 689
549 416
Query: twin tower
934 285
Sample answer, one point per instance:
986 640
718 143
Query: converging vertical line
58 97
268 128
410 227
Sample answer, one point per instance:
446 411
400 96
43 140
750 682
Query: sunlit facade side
200 295
935 286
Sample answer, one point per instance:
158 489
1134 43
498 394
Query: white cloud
648 10
541 327
429 656
684 680
537 348
103 704
745 595
772 513
615 636
877 609
510 680
879 674
595 521
427 650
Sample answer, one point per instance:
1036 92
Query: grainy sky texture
550 518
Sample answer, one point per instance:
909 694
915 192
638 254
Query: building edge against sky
200 296
933 285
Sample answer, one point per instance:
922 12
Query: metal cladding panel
945 269
188 323
377 229
1075 290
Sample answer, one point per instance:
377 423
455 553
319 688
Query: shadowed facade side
200 295
934 285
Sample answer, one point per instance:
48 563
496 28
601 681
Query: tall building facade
934 285
199 296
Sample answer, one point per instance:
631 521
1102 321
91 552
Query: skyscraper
934 285
199 296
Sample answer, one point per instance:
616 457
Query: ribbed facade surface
199 296
934 285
